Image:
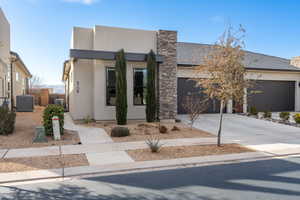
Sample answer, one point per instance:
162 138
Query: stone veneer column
167 74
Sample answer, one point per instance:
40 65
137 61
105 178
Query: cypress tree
121 88
150 96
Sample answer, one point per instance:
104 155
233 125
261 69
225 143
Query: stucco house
89 75
4 56
20 77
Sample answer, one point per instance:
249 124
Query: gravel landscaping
275 118
23 135
140 130
186 151
42 162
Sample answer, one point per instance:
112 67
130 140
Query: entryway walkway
88 135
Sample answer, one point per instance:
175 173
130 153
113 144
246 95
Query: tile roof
194 54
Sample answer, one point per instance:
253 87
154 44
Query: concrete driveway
258 134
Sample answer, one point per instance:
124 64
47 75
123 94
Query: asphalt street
266 180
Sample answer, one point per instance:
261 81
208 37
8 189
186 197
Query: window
17 76
110 86
139 86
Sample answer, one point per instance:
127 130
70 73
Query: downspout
11 86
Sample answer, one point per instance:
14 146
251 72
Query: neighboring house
89 75
45 96
20 77
4 56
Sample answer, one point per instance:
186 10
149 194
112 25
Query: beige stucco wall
90 101
90 75
131 40
103 112
4 53
105 38
82 38
72 108
82 89
19 85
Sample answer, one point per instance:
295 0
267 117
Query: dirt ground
141 130
186 151
43 162
25 131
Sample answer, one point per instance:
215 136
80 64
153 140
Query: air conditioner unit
25 103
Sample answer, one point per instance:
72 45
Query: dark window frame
106 85
133 86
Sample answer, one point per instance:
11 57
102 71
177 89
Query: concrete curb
143 166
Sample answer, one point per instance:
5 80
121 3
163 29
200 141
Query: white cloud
87 2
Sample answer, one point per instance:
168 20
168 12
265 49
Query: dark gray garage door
187 87
273 96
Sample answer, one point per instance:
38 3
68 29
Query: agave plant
154 144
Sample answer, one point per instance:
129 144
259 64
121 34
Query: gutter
247 68
18 58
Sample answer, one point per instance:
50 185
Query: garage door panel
187 87
272 95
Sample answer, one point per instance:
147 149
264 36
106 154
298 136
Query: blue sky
41 29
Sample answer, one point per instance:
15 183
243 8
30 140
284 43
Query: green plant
150 96
120 132
285 116
177 120
253 110
87 120
297 118
154 144
50 111
121 88
267 114
162 129
7 121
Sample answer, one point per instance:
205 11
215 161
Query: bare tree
226 73
35 82
194 107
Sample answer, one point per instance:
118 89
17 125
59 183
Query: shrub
285 116
267 114
87 120
154 144
150 95
49 112
120 132
297 118
163 129
175 128
121 88
253 110
7 121
177 120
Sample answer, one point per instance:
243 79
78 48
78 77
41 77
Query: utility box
25 103
59 102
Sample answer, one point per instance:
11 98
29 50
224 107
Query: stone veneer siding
167 74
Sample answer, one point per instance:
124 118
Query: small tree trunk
220 123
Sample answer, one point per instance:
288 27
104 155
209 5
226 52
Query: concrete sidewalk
128 167
87 135
99 147
106 156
